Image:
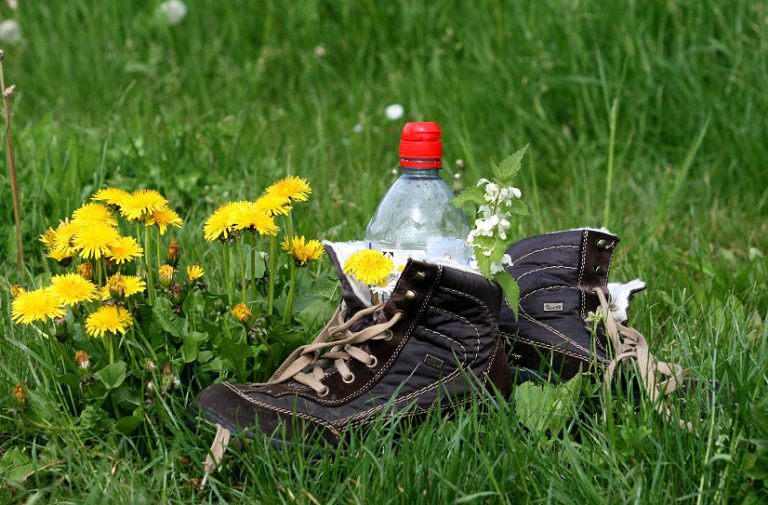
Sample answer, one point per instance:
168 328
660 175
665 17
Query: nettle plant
125 323
493 204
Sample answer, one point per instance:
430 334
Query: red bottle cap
420 145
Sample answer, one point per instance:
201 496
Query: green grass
671 95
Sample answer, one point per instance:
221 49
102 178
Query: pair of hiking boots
443 335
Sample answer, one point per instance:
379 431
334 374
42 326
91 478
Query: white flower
358 128
498 267
10 31
173 11
320 51
503 227
516 191
394 111
12 4
491 192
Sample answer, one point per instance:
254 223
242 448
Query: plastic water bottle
415 218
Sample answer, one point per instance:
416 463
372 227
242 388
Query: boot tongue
355 294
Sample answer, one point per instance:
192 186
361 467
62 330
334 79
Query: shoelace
342 341
629 343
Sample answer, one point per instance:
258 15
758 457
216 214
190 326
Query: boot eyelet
419 276
410 295
388 335
373 363
348 380
324 392
598 270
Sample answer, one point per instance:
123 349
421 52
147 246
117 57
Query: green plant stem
110 347
288 312
99 277
272 274
240 254
227 278
611 150
147 256
157 249
12 168
253 264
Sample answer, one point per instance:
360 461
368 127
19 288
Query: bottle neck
420 173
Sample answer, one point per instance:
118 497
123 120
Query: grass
645 117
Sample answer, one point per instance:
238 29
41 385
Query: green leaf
168 321
470 196
518 207
509 168
16 465
547 407
510 288
127 425
112 375
191 347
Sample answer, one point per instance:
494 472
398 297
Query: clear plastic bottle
415 218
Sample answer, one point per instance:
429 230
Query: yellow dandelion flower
220 223
141 203
250 217
194 272
82 359
124 249
62 240
69 289
112 196
174 252
273 205
16 290
93 213
302 251
164 218
123 286
108 319
369 266
94 241
294 188
241 312
36 305
48 238
165 272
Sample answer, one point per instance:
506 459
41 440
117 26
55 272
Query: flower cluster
493 220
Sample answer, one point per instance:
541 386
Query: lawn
648 118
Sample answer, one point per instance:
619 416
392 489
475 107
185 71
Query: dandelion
172 11
219 224
85 270
36 305
194 272
108 319
16 290
10 31
293 188
112 196
82 359
94 241
394 111
20 392
61 240
241 312
164 218
302 251
369 266
119 286
273 205
141 203
250 217
69 289
93 213
165 272
174 252
124 249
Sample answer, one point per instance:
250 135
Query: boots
558 274
430 345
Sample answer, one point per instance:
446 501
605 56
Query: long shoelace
341 344
629 343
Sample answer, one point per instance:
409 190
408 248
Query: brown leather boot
433 344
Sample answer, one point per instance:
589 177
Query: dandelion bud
85 270
166 274
150 366
82 359
116 287
17 290
174 252
177 293
20 392
241 312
